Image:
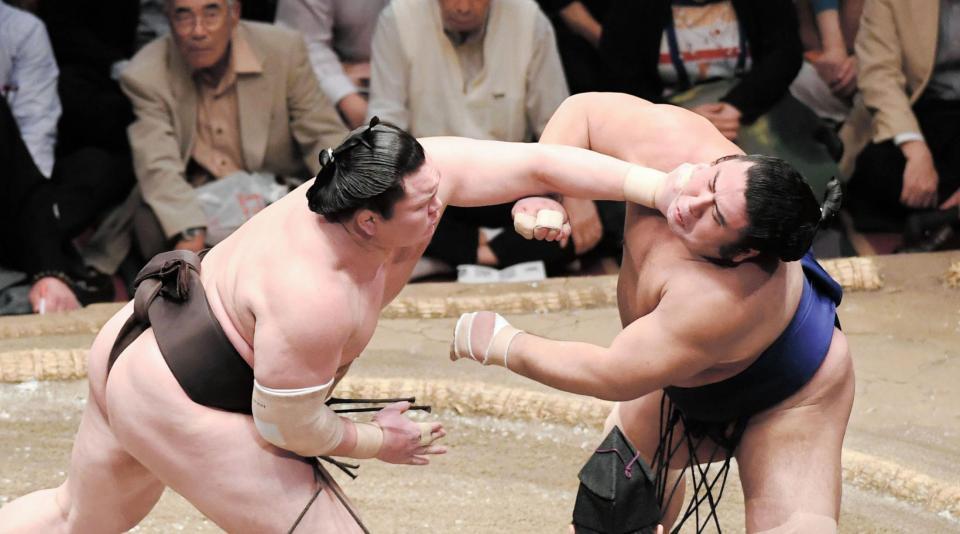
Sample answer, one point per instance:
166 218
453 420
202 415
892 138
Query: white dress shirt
28 74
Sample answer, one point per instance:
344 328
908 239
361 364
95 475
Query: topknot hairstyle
365 172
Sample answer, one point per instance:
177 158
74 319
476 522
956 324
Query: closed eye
717 216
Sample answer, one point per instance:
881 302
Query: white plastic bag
232 200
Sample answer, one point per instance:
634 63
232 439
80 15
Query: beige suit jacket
896 47
285 120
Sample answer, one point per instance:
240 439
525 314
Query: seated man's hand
724 117
845 82
920 178
353 109
541 218
952 202
584 224
50 294
405 441
359 73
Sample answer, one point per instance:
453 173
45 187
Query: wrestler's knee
804 523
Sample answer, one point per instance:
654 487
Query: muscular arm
293 352
672 343
479 173
636 130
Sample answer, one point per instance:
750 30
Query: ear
367 221
745 255
235 11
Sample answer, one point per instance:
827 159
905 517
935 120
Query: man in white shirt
486 69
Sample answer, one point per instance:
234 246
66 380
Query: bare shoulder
303 319
715 306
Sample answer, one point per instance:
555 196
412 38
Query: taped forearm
299 421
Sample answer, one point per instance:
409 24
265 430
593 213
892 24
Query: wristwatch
190 233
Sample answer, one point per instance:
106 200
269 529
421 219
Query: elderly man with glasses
216 97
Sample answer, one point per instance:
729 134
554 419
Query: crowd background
130 127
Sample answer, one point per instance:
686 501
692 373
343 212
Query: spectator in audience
44 200
260 10
152 23
486 69
338 35
218 96
828 78
92 42
902 140
579 28
731 61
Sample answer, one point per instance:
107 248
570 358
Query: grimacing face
202 29
416 214
709 211
464 15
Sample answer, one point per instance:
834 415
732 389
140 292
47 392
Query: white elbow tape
497 350
641 185
525 224
299 421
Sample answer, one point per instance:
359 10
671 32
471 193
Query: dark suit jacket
630 46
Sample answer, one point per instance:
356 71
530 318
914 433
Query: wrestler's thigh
789 457
641 420
107 490
215 459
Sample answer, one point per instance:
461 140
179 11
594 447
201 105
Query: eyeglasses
184 20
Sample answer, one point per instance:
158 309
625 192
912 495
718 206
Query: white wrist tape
498 348
369 441
299 421
525 224
642 184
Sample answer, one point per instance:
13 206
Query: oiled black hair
365 172
783 213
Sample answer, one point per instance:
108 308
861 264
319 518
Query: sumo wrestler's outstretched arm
675 341
479 173
297 357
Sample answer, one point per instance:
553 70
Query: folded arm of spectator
881 79
836 67
314 123
389 69
776 55
883 85
315 20
33 97
546 83
159 167
581 22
